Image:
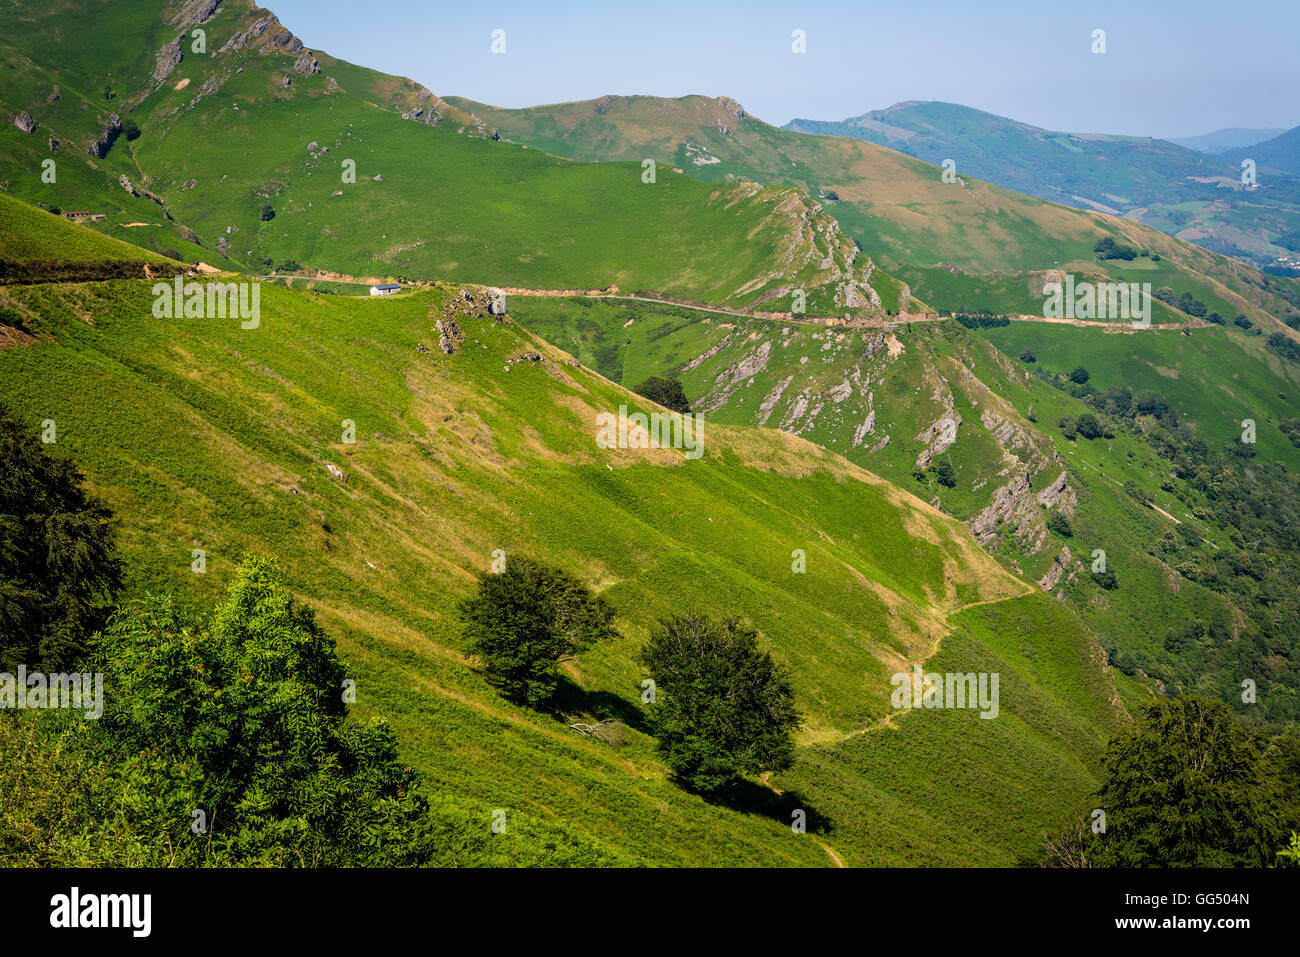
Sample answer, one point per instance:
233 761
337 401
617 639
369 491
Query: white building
385 289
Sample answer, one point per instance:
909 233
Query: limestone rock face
23 120
194 13
306 64
167 60
112 130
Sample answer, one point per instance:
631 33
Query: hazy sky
1171 67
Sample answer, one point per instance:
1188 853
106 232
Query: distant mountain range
1232 137
1196 196
1281 153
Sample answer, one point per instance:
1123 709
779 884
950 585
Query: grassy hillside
36 245
201 434
1194 196
311 161
962 246
884 398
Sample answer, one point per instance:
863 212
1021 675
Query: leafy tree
1089 427
130 129
1060 524
243 716
1242 322
1079 375
1069 427
1106 580
723 708
524 621
947 477
667 392
1027 355
58 566
1185 786
266 213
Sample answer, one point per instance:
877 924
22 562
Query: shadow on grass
570 699
750 797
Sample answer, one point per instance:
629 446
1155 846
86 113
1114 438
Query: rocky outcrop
731 108
730 379
939 437
306 64
1009 435
257 29
193 13
23 120
771 399
112 130
167 60
1064 566
1060 495
1013 510
449 333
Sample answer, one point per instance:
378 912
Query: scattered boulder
23 120
335 472
286 81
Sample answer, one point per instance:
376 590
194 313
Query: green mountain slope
962 246
204 435
906 399
308 161
40 246
1194 196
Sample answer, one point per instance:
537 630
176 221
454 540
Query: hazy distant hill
1226 139
1193 195
1280 153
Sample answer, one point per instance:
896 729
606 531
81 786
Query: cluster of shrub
1188 786
1108 248
981 321
1256 503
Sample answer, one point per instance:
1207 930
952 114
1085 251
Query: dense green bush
667 392
523 621
58 565
723 708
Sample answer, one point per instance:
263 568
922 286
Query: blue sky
1171 67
